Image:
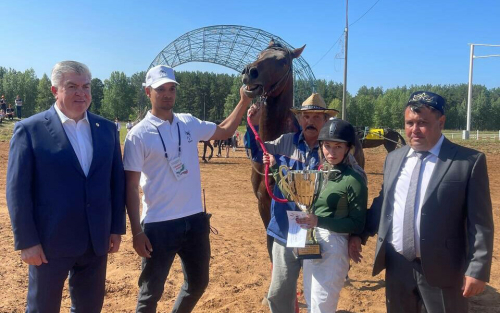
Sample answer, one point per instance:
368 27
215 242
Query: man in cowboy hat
297 151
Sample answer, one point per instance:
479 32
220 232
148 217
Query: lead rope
212 229
266 176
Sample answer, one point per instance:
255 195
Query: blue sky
398 42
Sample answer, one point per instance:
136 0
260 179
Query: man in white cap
161 154
297 151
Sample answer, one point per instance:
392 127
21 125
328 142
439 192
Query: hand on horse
254 112
268 159
243 96
309 221
142 245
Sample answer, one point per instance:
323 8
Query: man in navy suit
65 194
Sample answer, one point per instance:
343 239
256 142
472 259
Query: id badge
179 169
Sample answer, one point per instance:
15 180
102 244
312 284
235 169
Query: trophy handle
284 184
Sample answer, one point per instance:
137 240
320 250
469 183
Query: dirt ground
240 268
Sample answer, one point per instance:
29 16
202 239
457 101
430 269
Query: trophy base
310 251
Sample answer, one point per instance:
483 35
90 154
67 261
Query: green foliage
6 129
44 97
362 109
205 95
140 102
212 97
233 98
97 89
118 97
337 105
23 84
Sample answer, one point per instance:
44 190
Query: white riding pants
324 278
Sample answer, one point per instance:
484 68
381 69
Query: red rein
269 191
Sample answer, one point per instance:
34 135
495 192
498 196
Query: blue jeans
189 238
19 112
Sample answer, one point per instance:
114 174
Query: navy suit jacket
51 202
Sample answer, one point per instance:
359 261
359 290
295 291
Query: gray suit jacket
456 227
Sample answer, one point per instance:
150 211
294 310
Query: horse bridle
284 78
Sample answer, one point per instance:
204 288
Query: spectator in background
118 126
236 136
19 106
3 105
9 113
129 125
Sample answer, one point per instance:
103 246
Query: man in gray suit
433 217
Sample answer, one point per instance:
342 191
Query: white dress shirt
401 191
80 137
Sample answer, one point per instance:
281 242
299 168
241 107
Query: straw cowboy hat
315 104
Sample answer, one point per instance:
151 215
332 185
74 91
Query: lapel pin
97 124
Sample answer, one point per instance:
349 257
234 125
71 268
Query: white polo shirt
165 197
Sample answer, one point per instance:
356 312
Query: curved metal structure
231 46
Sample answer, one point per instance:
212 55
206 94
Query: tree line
212 97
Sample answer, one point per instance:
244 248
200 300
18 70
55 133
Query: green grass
242 129
6 128
123 133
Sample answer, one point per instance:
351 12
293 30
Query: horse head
271 72
271 77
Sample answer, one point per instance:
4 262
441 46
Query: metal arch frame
231 46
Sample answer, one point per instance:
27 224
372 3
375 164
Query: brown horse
271 77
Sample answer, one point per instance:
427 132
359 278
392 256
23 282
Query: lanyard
163 143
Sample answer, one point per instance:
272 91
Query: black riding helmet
338 130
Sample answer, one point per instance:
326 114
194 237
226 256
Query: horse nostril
245 70
253 73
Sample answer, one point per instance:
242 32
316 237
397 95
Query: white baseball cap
160 75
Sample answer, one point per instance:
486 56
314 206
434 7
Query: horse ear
271 43
297 52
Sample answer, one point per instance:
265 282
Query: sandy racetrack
240 267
